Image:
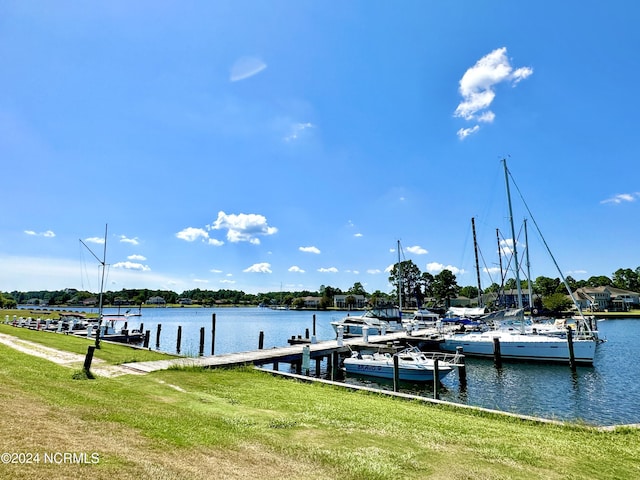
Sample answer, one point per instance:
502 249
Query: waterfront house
156 301
340 301
606 298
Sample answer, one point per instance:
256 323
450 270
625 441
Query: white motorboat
413 365
377 319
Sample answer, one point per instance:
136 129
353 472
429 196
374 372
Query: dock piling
158 336
497 357
396 373
436 379
201 350
572 359
88 358
213 333
462 368
261 340
179 339
146 338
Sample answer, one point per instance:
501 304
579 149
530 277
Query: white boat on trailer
413 365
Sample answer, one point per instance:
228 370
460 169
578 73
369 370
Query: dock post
201 350
572 359
141 329
306 359
497 357
89 330
318 362
306 333
146 337
276 366
462 368
436 379
261 341
213 333
89 358
179 339
396 373
334 365
365 334
313 337
158 336
340 330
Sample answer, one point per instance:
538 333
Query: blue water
606 394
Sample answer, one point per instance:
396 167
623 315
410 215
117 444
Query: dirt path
66 359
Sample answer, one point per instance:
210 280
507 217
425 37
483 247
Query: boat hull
521 347
376 369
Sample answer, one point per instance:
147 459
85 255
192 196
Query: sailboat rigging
103 263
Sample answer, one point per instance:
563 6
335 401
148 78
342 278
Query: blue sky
290 144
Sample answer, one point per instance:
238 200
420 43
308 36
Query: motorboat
413 365
377 320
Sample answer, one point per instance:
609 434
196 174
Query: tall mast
513 237
399 282
501 292
529 286
475 249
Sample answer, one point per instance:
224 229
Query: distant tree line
410 285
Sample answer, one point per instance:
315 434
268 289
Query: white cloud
622 197
374 271
136 257
259 268
191 234
132 241
243 227
229 282
200 280
417 250
435 267
296 269
328 270
213 270
296 130
465 132
132 266
246 67
98 240
47 234
358 235
477 87
309 249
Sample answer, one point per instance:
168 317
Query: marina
601 394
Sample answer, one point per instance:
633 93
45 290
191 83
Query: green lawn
199 424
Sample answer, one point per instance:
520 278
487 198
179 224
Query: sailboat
518 343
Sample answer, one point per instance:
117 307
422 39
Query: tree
546 286
598 281
407 274
357 289
469 291
556 302
626 279
445 287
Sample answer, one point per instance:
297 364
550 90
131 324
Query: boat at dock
385 319
514 341
413 365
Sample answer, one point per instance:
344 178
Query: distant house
90 302
606 298
156 301
309 302
185 301
340 301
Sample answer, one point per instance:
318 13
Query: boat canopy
470 312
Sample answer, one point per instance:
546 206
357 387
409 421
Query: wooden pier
292 354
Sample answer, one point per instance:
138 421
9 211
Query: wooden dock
289 354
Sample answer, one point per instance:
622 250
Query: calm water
607 393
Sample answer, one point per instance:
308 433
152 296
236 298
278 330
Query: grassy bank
228 424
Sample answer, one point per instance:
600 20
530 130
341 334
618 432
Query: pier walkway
289 354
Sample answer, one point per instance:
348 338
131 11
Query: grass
193 423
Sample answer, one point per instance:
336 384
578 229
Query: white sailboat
518 343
